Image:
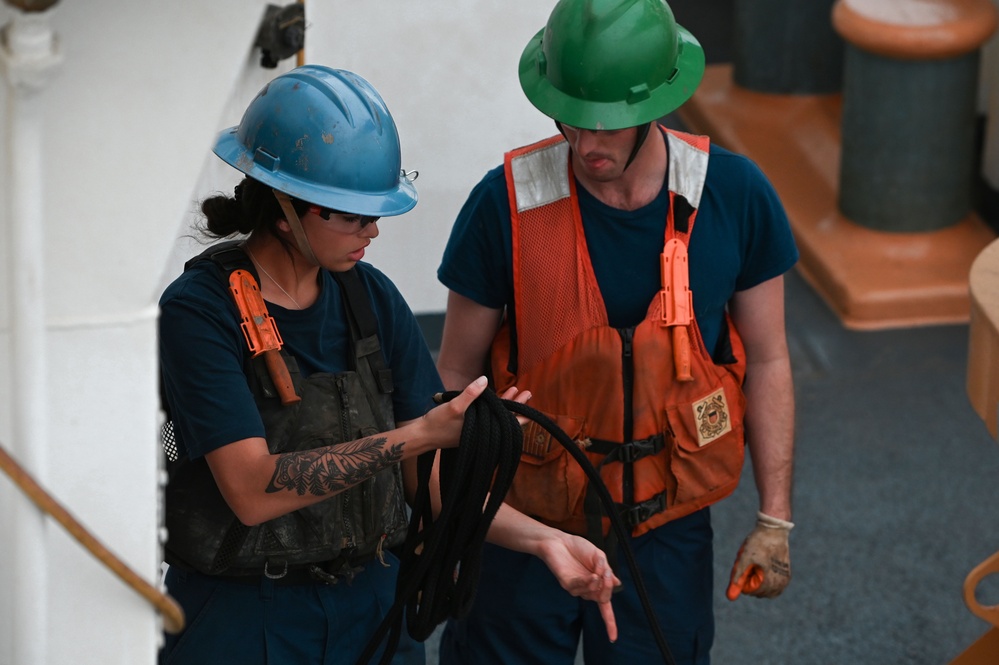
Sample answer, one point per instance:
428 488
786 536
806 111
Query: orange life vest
665 447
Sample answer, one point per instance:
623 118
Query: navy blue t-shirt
741 238
202 353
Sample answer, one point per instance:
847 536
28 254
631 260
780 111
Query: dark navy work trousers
521 615
231 623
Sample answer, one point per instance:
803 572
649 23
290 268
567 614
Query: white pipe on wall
29 56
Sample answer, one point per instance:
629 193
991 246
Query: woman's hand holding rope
445 422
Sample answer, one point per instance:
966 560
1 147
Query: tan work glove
763 565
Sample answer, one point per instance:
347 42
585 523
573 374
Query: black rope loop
440 560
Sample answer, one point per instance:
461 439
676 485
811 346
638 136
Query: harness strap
630 514
643 510
228 256
364 328
368 357
627 453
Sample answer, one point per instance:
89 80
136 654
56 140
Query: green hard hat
610 64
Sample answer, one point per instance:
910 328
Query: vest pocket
549 484
708 445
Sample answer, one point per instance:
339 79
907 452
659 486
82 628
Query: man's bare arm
469 329
758 314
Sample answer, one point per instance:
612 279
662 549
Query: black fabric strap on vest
227 256
627 452
682 212
630 514
368 359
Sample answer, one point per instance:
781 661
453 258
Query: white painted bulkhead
125 127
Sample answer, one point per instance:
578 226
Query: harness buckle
269 575
336 570
640 512
635 450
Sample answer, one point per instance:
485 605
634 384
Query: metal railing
173 615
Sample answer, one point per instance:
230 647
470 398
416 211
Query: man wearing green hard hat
576 271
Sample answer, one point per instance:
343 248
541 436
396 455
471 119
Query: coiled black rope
441 558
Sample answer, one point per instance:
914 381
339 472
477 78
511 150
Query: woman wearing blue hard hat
298 389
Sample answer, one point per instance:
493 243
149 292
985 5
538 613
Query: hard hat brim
388 203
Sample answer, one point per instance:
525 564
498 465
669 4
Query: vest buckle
269 575
644 510
631 452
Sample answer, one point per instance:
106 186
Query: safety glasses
345 220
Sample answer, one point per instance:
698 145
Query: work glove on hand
763 565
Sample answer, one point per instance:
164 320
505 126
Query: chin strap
643 133
296 226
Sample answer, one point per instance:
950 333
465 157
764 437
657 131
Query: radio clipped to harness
677 304
261 333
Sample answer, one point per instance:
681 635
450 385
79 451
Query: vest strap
644 510
227 256
364 329
627 452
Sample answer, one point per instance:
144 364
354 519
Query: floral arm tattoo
334 468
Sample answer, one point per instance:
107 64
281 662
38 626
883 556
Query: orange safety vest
652 410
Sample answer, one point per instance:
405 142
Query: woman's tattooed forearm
332 469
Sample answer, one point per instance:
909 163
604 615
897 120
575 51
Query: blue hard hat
324 136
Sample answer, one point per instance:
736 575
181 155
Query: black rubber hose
440 560
608 503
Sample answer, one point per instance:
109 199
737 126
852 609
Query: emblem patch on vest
712 417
